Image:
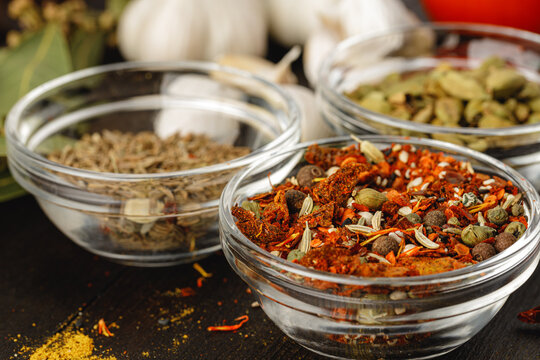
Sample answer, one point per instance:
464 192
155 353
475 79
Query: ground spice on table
66 345
398 212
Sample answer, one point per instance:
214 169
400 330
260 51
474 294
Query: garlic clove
279 73
217 126
312 125
319 44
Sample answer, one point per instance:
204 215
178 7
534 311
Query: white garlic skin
312 124
292 22
169 30
216 126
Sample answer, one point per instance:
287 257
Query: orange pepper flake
242 319
316 243
201 271
103 329
461 249
391 258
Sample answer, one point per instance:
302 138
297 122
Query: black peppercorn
384 245
307 173
483 251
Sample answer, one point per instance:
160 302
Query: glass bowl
368 59
419 317
152 219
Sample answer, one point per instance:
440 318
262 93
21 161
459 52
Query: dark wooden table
49 285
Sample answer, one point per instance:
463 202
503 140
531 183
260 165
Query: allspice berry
503 241
435 218
294 199
307 173
384 245
483 251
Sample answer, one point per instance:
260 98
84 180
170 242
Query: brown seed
483 251
307 173
503 241
453 177
384 245
295 199
435 218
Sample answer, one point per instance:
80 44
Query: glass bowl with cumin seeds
468 84
128 160
331 304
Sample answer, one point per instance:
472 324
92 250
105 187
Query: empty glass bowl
368 59
390 318
152 219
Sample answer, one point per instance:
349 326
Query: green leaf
41 57
53 143
115 7
3 151
9 189
87 48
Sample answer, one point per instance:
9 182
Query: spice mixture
494 95
400 212
144 201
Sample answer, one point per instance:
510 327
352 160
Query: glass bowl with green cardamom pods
468 84
128 160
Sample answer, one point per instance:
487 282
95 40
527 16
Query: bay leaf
9 189
87 48
115 7
53 143
41 57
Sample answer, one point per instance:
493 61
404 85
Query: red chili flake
530 316
200 281
242 319
103 329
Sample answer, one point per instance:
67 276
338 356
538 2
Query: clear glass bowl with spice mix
129 160
400 317
376 84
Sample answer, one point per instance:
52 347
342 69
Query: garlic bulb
292 22
354 17
168 30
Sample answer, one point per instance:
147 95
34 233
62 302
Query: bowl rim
531 235
338 99
16 113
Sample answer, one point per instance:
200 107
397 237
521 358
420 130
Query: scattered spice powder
145 153
68 345
400 212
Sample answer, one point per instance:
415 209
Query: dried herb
142 228
361 216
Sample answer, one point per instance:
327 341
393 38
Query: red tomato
521 14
